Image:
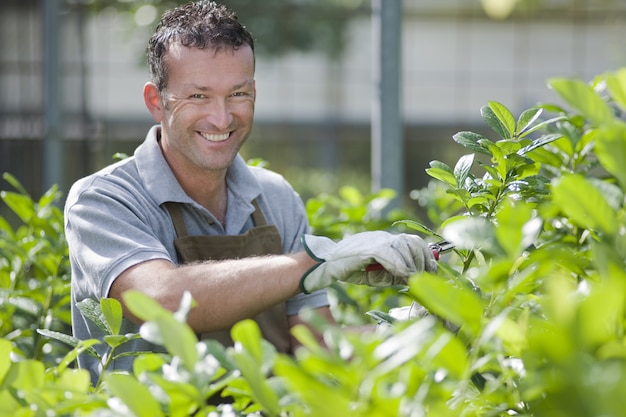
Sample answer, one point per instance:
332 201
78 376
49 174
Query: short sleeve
108 230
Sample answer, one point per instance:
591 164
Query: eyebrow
246 83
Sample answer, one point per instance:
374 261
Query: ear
153 101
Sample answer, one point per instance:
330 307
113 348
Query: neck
205 187
209 193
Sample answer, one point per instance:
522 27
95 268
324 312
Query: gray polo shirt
115 219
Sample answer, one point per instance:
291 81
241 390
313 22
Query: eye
240 94
197 96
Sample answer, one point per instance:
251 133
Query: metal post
52 140
387 134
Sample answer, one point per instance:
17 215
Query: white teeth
215 138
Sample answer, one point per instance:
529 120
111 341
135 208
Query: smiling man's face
207 110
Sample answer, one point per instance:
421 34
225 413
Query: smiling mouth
215 137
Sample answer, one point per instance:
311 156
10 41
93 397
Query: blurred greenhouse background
314 78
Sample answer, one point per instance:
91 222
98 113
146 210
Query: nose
219 114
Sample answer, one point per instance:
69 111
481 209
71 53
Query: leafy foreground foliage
526 317
34 274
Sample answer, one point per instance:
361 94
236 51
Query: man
185 213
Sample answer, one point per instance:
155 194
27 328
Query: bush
525 317
34 274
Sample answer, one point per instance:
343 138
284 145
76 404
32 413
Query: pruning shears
436 247
440 247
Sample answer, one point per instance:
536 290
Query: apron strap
257 217
177 218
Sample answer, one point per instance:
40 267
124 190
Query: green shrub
34 274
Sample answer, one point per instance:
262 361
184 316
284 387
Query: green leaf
218 351
381 316
516 231
25 375
616 84
510 146
584 203
250 358
148 362
25 305
492 172
248 334
351 194
82 346
460 194
451 355
78 345
471 141
443 176
538 143
6 228
21 205
321 397
492 121
462 169
585 144
543 125
522 172
548 157
610 146
115 340
459 305
143 306
255 162
179 339
526 120
182 397
497 157
48 198
583 98
513 336
74 381
91 309
62 337
612 193
15 183
5 358
599 315
453 219
440 165
442 172
516 165
403 346
500 119
134 394
112 311
483 200
414 225
471 233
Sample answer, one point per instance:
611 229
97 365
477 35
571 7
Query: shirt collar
163 186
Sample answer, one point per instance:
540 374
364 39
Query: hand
400 256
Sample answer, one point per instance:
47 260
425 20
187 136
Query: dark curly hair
200 24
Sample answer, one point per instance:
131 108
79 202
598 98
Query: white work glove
399 255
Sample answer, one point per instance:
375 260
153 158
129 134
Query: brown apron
263 239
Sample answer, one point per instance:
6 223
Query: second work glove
399 255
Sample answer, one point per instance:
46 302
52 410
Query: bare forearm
225 291
233 290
